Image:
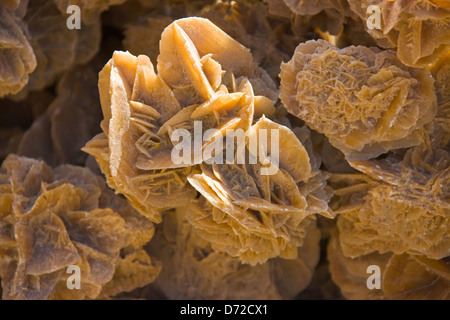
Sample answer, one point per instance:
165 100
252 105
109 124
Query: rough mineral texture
418 29
400 207
192 270
404 277
327 15
282 147
256 215
36 46
55 46
142 109
191 33
129 133
440 131
251 25
17 59
51 219
262 215
363 99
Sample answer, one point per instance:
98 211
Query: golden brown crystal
361 164
256 216
364 100
401 207
17 59
135 150
405 277
419 29
195 271
52 219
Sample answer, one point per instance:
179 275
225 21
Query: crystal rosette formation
205 77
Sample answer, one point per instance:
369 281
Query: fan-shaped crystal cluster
193 270
405 277
263 216
418 29
53 219
364 100
285 149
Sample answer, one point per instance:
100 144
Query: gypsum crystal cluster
363 150
263 215
52 219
